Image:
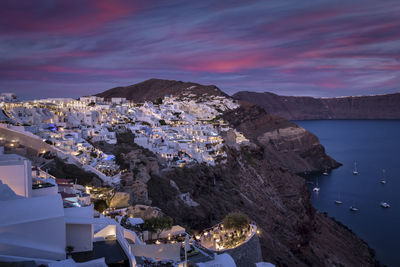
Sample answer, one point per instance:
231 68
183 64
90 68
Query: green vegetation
157 225
100 205
61 169
49 142
235 221
158 101
162 122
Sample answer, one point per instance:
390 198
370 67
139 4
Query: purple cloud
73 48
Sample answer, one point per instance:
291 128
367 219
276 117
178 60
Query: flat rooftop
109 249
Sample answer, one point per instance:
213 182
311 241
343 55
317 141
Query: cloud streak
311 48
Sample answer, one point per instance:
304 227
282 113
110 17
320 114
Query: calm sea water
374 145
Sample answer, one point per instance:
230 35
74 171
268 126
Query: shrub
235 221
100 205
157 225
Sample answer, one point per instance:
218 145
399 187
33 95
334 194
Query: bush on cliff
235 221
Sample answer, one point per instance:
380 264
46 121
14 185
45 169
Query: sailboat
383 181
325 172
385 205
355 172
338 201
316 188
353 208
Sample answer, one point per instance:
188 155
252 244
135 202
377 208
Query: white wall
80 236
17 175
109 230
33 227
45 191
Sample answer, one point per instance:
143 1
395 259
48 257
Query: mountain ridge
310 108
152 89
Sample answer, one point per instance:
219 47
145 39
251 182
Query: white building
8 97
15 171
118 100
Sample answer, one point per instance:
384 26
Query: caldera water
374 145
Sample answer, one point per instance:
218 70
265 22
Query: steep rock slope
309 108
253 182
286 143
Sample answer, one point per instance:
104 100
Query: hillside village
182 130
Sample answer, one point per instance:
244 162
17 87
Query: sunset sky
69 48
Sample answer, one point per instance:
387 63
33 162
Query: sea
375 146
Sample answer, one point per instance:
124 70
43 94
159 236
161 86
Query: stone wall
248 254
26 139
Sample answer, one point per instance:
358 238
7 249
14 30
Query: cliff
309 108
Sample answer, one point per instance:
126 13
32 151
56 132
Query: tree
157 225
162 122
158 101
49 142
235 221
100 205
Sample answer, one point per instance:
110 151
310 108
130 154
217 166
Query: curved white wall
33 227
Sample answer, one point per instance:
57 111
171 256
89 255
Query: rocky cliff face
286 143
309 108
292 232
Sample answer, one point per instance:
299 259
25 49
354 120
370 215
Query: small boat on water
355 172
383 181
385 205
316 188
338 201
352 208
325 172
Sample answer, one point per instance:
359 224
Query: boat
325 172
383 181
385 205
338 201
355 172
316 188
352 208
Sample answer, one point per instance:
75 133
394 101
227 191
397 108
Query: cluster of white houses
49 221
181 130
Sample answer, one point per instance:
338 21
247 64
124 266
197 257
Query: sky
321 48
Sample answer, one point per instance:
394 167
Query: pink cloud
63 16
